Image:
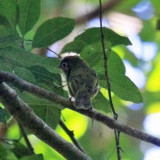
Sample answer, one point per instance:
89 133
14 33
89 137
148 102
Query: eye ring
64 65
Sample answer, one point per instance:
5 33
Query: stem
30 148
71 135
116 133
55 53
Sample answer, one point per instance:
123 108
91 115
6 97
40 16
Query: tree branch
71 135
105 8
22 113
43 93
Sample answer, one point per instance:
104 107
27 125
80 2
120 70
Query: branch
30 148
116 133
105 8
71 135
43 93
22 113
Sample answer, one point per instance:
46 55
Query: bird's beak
59 67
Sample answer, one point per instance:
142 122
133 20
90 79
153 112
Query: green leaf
8 9
24 74
91 38
51 31
4 115
20 150
29 12
33 157
101 103
5 153
75 46
47 80
4 65
124 88
19 57
115 64
92 54
93 35
42 75
148 31
48 111
5 30
4 21
10 40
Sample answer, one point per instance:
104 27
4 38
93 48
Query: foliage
18 19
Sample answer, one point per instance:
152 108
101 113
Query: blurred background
137 20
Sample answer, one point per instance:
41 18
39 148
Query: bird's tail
82 99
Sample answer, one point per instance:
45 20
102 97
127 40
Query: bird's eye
64 65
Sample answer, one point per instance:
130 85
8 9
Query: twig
24 114
71 135
105 63
51 96
5 140
105 8
30 148
116 133
55 53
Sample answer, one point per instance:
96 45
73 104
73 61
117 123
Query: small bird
82 81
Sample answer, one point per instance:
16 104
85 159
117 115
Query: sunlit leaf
74 121
51 31
154 79
144 34
101 103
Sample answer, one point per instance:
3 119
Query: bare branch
43 93
105 8
22 113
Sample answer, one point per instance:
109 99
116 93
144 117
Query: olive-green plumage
82 81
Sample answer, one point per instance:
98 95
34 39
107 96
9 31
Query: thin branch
51 96
30 148
24 114
71 135
116 133
108 6
7 141
105 62
59 56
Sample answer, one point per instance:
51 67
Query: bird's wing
74 84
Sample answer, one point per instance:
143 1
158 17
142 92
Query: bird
81 79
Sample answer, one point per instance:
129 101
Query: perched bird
82 81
